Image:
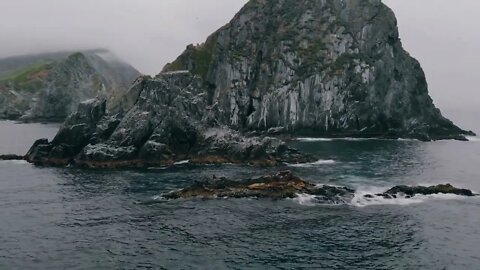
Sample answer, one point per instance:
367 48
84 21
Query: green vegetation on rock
25 73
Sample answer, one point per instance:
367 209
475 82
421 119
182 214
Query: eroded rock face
323 68
286 185
169 122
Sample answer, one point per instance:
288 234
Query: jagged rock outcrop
168 123
286 185
49 87
321 68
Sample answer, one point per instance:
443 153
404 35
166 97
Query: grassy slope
23 75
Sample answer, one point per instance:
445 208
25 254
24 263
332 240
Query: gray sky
442 34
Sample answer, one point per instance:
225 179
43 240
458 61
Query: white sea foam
473 139
183 162
353 139
359 199
314 139
321 162
305 199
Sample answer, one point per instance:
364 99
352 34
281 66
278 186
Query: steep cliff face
325 68
49 89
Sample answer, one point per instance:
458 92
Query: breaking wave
359 199
314 139
355 139
183 162
314 164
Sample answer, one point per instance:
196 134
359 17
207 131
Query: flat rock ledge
285 185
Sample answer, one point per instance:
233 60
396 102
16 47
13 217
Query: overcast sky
442 34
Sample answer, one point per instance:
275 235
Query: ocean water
65 218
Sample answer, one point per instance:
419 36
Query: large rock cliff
323 68
318 67
49 87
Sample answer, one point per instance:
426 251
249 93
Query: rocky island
286 185
294 67
48 87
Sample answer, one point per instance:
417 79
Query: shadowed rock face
319 68
286 185
168 123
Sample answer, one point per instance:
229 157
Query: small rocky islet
285 184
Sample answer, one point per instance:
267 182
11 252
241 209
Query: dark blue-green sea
66 218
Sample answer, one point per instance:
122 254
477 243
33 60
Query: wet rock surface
280 186
438 189
286 185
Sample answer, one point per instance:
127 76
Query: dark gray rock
420 190
76 132
168 123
